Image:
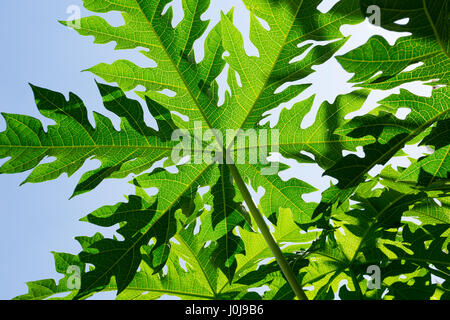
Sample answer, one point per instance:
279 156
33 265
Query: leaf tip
63 22
227 16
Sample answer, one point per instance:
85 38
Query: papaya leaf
192 229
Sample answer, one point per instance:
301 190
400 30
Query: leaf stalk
271 242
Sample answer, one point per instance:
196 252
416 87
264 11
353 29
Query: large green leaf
195 88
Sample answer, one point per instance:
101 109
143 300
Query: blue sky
39 218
